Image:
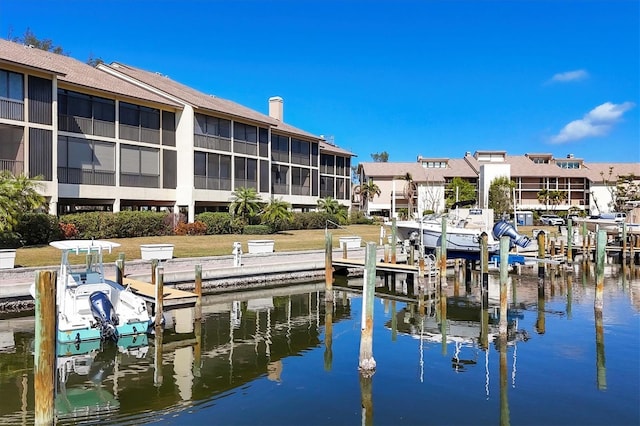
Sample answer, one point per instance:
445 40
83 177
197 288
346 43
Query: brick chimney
276 108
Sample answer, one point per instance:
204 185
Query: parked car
551 219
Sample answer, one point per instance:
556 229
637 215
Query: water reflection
430 339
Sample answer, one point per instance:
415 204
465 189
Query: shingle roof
203 101
521 166
74 72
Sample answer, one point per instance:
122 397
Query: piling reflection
249 340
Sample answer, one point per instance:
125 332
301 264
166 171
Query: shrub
195 228
125 224
10 240
217 222
358 217
68 230
38 229
257 230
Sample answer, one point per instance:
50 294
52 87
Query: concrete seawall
218 272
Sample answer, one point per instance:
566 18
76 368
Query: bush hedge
38 229
257 230
217 222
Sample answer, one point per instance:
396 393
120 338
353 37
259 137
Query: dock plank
380 266
171 296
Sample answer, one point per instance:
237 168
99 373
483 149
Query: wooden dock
172 297
380 266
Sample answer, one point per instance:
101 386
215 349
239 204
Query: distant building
115 138
585 186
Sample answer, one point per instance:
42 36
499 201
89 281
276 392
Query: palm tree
543 196
367 192
18 195
245 203
277 214
410 189
329 205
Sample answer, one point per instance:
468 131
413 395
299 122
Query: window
327 164
11 85
139 123
212 171
279 179
85 161
279 148
139 166
300 151
245 132
246 172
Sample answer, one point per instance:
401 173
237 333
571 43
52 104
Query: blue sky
430 78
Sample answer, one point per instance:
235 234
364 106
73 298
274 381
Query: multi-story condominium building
114 137
584 186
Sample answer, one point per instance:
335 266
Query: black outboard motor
105 315
505 228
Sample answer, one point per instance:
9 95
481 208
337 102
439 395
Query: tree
462 188
245 203
367 192
18 195
625 189
410 189
380 157
543 197
329 205
556 198
30 39
277 214
500 199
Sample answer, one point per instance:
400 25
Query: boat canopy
82 246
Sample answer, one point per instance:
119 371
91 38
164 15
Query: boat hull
87 334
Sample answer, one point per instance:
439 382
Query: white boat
463 237
609 222
90 307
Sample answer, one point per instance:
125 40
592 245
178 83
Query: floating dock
172 297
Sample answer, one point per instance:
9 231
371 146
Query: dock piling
159 280
45 347
504 279
328 267
367 363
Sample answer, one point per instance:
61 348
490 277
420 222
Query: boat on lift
90 307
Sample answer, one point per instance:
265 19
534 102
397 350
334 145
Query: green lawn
217 245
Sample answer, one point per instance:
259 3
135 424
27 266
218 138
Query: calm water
267 357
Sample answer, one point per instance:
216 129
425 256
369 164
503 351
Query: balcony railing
87 126
204 182
11 109
86 176
279 188
300 190
141 134
212 142
15 167
140 181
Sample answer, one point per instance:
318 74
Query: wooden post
367 363
412 254
443 251
504 279
569 295
585 254
484 256
328 267
387 251
158 377
442 301
570 242
366 400
121 256
328 336
45 347
159 295
154 266
197 348
467 276
624 243
120 271
344 250
198 291
598 303
505 417
601 245
394 240
541 254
